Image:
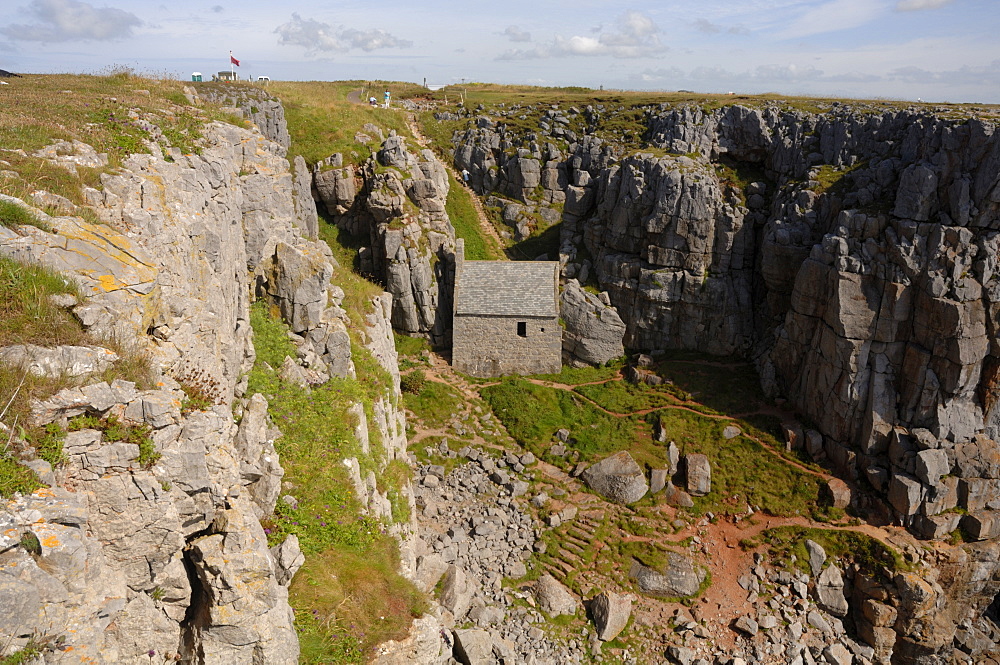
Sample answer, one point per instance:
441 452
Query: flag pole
232 68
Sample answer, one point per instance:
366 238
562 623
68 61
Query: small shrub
48 443
16 477
30 543
31 651
413 382
195 398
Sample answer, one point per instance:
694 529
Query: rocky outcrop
254 104
848 253
594 331
394 203
156 548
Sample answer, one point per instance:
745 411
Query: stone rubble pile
475 535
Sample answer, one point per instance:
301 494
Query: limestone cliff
394 203
155 549
850 253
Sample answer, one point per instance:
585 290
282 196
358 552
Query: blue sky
935 50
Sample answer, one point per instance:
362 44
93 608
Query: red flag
234 60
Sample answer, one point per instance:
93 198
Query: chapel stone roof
508 288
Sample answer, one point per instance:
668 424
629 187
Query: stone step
565 566
569 557
578 542
554 572
577 534
576 548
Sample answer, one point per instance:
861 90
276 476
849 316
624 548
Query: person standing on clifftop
387 94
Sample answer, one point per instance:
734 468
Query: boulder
456 592
610 612
594 332
474 647
676 497
817 556
658 479
746 625
679 578
288 558
838 492
617 478
699 474
553 598
830 592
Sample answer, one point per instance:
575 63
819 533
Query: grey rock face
401 211
830 592
69 361
611 613
594 331
117 553
699 474
679 578
617 478
553 598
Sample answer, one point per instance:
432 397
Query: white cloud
985 75
917 5
706 26
71 20
315 36
634 35
833 16
516 34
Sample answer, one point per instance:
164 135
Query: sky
930 50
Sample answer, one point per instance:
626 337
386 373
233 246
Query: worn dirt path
719 550
484 222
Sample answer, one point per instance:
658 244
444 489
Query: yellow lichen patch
45 492
108 283
51 542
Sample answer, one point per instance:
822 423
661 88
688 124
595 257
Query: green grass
410 346
322 122
27 314
12 214
462 213
434 404
871 554
833 180
533 413
358 291
349 581
624 397
48 442
743 471
38 110
575 376
724 387
16 478
541 243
